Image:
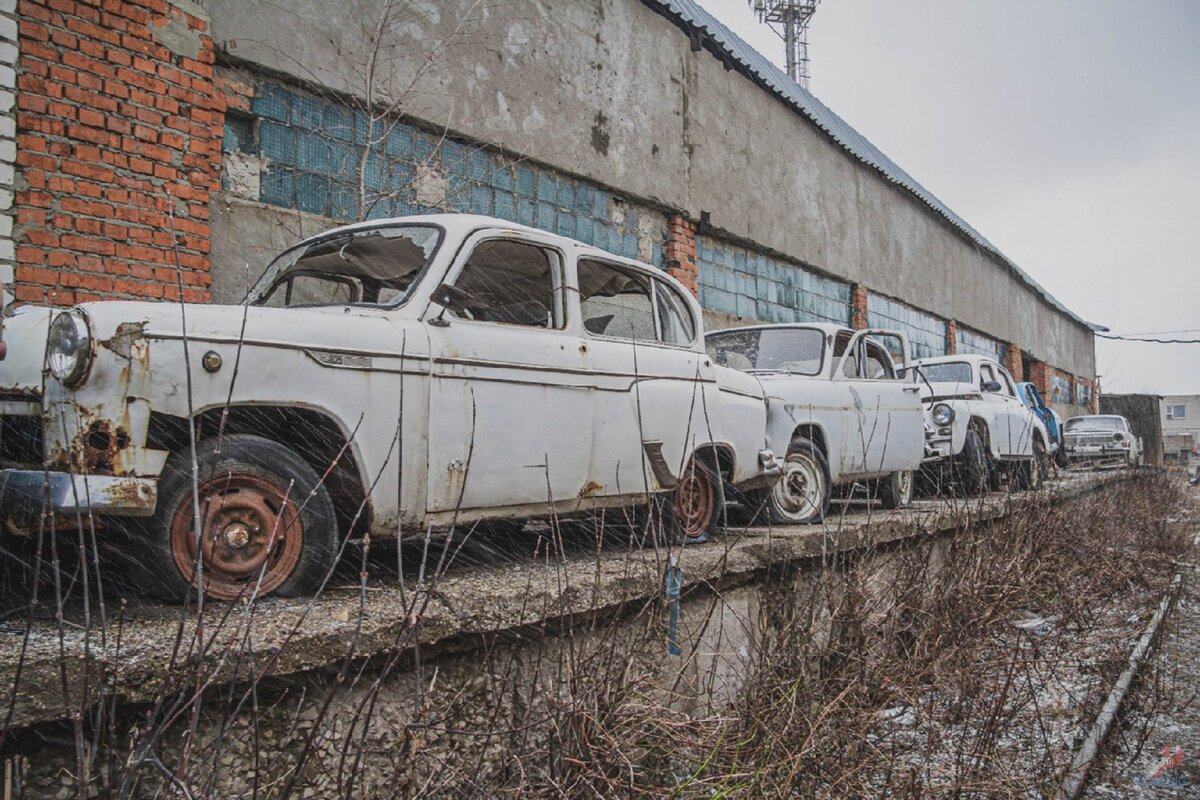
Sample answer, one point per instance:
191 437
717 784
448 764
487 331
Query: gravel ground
1156 751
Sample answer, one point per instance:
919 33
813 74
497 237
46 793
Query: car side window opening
675 319
1006 383
986 375
840 343
511 282
616 302
878 363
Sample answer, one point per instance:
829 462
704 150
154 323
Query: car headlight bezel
942 414
69 348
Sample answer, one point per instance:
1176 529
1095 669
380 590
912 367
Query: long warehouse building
642 126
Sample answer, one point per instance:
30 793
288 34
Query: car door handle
912 389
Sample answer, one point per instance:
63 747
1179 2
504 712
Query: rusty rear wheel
695 502
267 525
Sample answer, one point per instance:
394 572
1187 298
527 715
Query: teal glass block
479 165
614 241
276 186
629 245
481 200
361 123
379 207
658 255
502 178
401 179
584 199
454 156
424 148
404 207
278 143
600 233
238 136
584 228
343 161
312 193
399 142
526 214
376 176
547 189
566 195
632 218
312 152
506 207
338 122
343 204
547 216
525 181
271 101
745 307
307 112
566 224
600 201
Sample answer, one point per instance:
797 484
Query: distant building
1181 417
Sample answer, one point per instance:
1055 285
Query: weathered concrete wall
611 90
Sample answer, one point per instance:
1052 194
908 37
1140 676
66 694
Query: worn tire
249 479
972 473
694 511
801 495
1060 456
896 490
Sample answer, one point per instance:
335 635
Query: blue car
1032 399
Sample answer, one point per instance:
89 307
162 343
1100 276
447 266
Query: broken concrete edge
465 611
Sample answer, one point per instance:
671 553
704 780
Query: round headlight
69 347
943 414
1117 437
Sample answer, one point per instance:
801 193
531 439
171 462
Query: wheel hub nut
237 534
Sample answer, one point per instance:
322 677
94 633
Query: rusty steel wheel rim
695 501
249 527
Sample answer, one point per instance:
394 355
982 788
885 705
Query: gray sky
1066 131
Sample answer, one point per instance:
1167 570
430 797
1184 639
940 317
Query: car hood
734 380
109 322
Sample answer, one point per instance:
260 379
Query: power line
1132 338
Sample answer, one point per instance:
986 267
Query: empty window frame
627 304
516 283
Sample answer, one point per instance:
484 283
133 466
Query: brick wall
858 306
117 122
680 252
8 137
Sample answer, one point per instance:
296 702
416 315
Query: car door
1000 415
510 407
1023 420
886 432
655 387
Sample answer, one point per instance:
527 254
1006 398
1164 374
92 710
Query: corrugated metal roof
689 15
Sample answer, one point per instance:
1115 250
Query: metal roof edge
689 15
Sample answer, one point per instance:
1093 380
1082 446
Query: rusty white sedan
380 379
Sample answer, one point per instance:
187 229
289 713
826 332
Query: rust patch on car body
590 488
97 449
128 341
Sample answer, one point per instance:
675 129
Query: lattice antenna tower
789 19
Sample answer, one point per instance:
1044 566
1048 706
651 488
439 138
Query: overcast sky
1066 131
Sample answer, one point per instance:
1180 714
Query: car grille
1089 439
21 439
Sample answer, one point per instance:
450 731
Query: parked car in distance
1102 438
976 428
1028 394
839 411
381 378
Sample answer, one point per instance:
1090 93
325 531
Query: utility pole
789 19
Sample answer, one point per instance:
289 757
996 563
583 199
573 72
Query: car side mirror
991 386
449 298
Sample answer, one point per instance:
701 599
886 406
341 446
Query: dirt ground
1156 750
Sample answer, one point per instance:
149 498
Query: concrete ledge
277 638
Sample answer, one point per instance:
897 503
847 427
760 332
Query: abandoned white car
976 428
380 378
839 408
1102 438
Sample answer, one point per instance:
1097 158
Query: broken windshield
1095 424
796 350
373 266
947 372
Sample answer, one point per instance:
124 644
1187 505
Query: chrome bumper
62 492
769 464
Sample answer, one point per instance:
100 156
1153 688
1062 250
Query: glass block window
740 281
1060 389
1083 393
972 343
317 154
926 333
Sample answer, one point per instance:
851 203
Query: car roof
826 328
